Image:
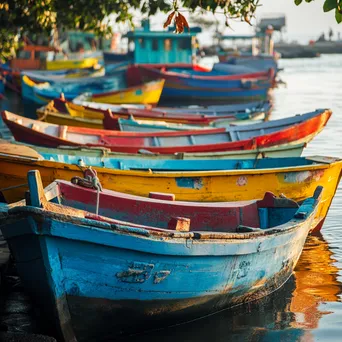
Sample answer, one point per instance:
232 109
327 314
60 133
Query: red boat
137 72
296 129
193 86
66 107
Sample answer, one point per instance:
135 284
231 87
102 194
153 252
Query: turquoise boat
64 152
41 91
134 125
171 165
100 263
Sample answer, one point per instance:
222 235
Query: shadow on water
13 103
289 314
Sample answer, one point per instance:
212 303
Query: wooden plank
18 150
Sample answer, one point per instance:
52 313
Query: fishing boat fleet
118 206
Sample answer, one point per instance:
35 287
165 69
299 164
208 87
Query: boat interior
161 211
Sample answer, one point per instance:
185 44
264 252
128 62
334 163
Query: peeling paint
160 276
138 272
243 270
190 182
241 181
304 176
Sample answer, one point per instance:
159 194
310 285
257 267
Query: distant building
148 46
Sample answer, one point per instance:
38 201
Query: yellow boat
80 116
296 182
147 93
71 64
76 118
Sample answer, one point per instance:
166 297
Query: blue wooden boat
42 93
248 107
260 62
207 87
285 151
174 165
233 69
67 75
101 263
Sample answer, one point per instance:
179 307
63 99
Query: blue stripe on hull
179 165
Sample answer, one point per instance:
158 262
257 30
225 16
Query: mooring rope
90 181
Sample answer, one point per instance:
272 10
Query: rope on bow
90 181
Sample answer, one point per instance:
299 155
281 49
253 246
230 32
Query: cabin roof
158 34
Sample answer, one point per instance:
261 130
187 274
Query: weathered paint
293 130
283 151
96 111
189 182
216 185
42 93
300 177
85 273
204 86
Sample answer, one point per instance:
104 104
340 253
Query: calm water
308 308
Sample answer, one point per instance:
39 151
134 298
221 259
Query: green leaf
298 2
338 16
329 5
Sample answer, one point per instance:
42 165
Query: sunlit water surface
308 307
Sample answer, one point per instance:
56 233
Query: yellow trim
148 93
68 120
71 64
297 183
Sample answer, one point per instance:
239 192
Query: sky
303 23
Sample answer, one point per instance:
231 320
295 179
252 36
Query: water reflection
308 307
13 103
316 283
289 314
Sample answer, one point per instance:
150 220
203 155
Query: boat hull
68 120
84 277
71 64
299 129
207 95
94 110
296 183
210 89
148 93
285 151
43 93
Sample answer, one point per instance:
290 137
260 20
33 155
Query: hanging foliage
20 17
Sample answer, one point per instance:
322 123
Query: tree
328 6
20 17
